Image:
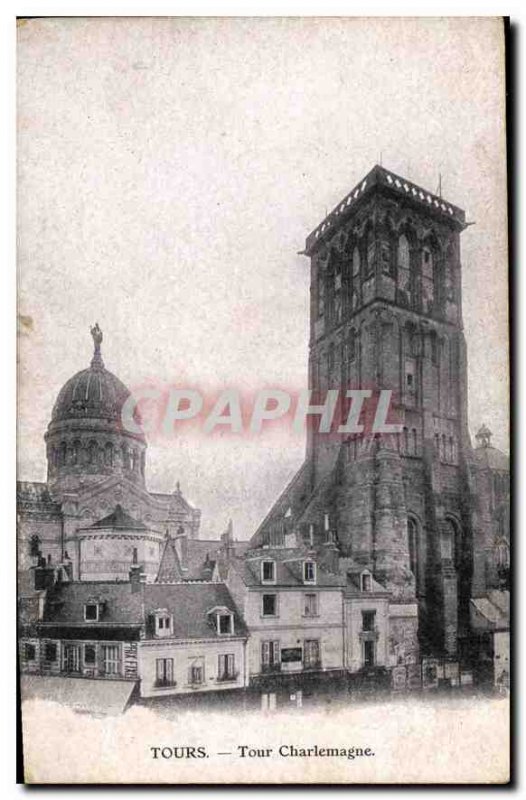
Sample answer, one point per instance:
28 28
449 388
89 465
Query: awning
82 694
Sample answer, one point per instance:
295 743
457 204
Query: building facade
95 510
293 607
158 639
412 508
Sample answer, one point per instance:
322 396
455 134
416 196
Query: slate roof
170 565
189 603
121 606
202 554
352 572
197 552
119 520
289 570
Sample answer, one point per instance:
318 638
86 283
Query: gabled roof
353 572
170 569
119 520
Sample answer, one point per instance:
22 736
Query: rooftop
119 520
188 603
381 177
289 569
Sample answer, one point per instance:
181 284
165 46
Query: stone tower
386 313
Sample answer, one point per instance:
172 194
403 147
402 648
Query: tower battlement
380 178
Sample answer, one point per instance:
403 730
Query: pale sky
169 173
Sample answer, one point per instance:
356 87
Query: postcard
263 450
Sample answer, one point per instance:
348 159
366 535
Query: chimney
137 576
331 556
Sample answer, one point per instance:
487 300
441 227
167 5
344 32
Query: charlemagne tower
386 313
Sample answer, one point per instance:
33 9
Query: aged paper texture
263 473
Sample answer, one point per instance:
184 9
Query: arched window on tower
75 452
370 254
355 280
321 292
428 280
338 291
355 265
450 542
63 454
108 454
447 543
329 294
404 271
92 453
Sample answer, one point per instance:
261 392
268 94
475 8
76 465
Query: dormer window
309 572
221 619
225 624
163 623
366 582
91 612
268 572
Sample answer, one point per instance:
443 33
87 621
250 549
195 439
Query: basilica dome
86 438
93 392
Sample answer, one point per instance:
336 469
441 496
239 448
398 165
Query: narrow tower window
371 254
428 280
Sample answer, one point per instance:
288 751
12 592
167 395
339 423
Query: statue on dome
97 336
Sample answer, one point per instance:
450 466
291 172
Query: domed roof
93 393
